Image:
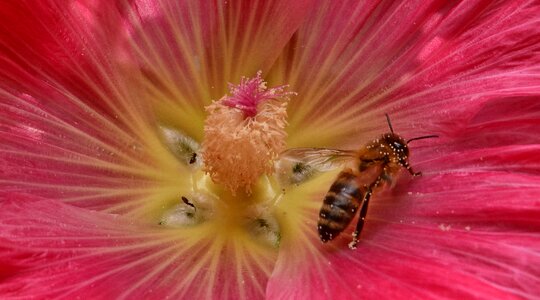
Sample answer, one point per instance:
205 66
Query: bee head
398 145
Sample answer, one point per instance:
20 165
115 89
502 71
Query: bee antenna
423 137
389 124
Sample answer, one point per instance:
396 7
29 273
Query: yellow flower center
234 190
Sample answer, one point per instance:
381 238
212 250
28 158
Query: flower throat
232 189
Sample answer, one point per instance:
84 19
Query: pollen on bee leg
244 133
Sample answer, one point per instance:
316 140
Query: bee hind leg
361 219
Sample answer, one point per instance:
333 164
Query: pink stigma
247 95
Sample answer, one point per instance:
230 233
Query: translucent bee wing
299 164
323 159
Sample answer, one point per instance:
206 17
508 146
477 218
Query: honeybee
372 166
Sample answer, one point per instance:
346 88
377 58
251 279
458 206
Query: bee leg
386 177
408 167
361 219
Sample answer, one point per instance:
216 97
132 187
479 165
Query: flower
102 105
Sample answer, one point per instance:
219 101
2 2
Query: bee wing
323 159
296 165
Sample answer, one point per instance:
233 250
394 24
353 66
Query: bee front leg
413 173
409 168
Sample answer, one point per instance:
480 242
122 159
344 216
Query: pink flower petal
476 236
83 85
79 106
53 250
191 50
468 228
434 62
59 147
499 122
73 125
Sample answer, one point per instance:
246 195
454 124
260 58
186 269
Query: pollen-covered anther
244 133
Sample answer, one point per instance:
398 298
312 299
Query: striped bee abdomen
339 206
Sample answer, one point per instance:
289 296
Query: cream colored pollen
237 149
